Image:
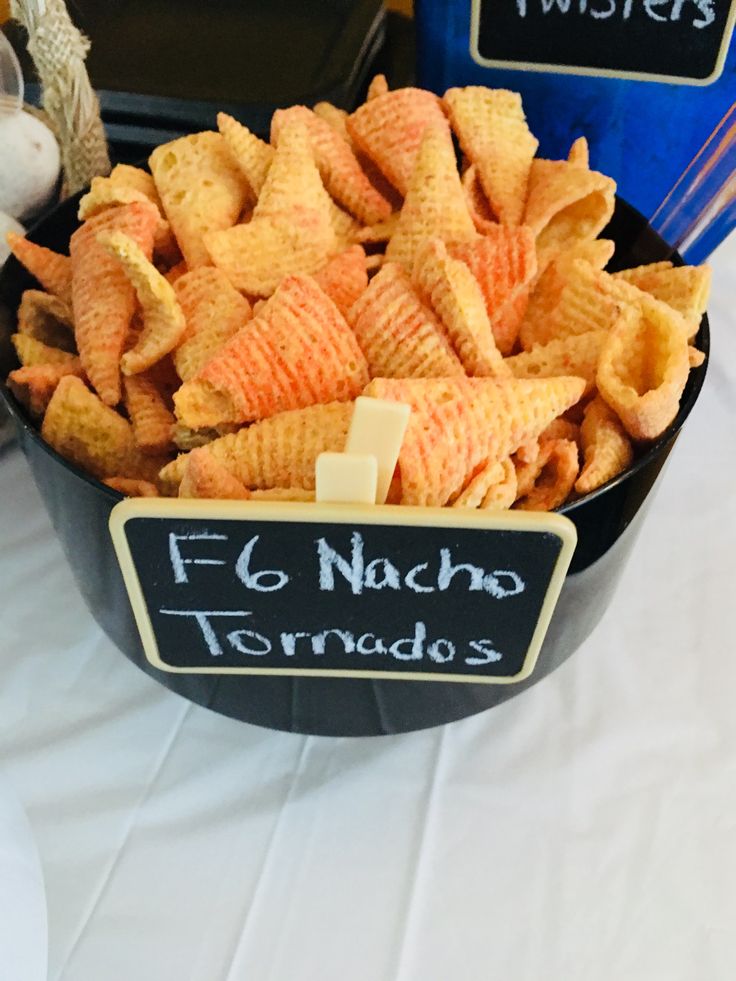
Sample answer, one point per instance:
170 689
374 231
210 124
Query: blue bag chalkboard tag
682 42
341 590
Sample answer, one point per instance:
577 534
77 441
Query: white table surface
585 831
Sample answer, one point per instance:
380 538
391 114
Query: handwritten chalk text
663 11
417 645
342 569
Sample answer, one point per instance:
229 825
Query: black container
607 523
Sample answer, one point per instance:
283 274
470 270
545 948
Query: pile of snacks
235 301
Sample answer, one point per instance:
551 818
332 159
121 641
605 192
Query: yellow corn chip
631 275
684 288
292 227
378 86
501 495
31 351
435 203
149 415
558 468
547 289
214 312
257 256
163 319
338 167
337 118
46 318
129 487
123 175
474 493
643 368
475 197
607 448
33 385
528 453
458 425
572 300
250 153
293 188
399 335
579 154
53 271
504 264
389 130
576 354
697 358
278 452
455 296
493 133
103 194
561 428
566 204
527 466
204 476
344 278
103 299
298 352
84 430
201 188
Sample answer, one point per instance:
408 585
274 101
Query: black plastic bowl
607 522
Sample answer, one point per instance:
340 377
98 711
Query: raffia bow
59 51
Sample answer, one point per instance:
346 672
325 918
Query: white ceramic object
11 78
29 165
8 224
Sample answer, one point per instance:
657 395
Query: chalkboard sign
664 40
357 591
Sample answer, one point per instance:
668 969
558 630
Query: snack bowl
607 522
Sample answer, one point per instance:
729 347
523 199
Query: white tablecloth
584 831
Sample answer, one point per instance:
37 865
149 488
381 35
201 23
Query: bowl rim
696 379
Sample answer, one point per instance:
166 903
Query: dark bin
607 522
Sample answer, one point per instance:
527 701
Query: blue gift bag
647 81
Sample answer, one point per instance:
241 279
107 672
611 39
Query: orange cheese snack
435 204
90 434
338 166
454 294
459 425
205 476
213 310
493 133
278 452
299 351
103 299
236 301
389 130
201 188
344 278
52 270
400 336
504 264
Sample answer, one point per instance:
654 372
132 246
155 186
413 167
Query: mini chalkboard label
368 591
679 41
